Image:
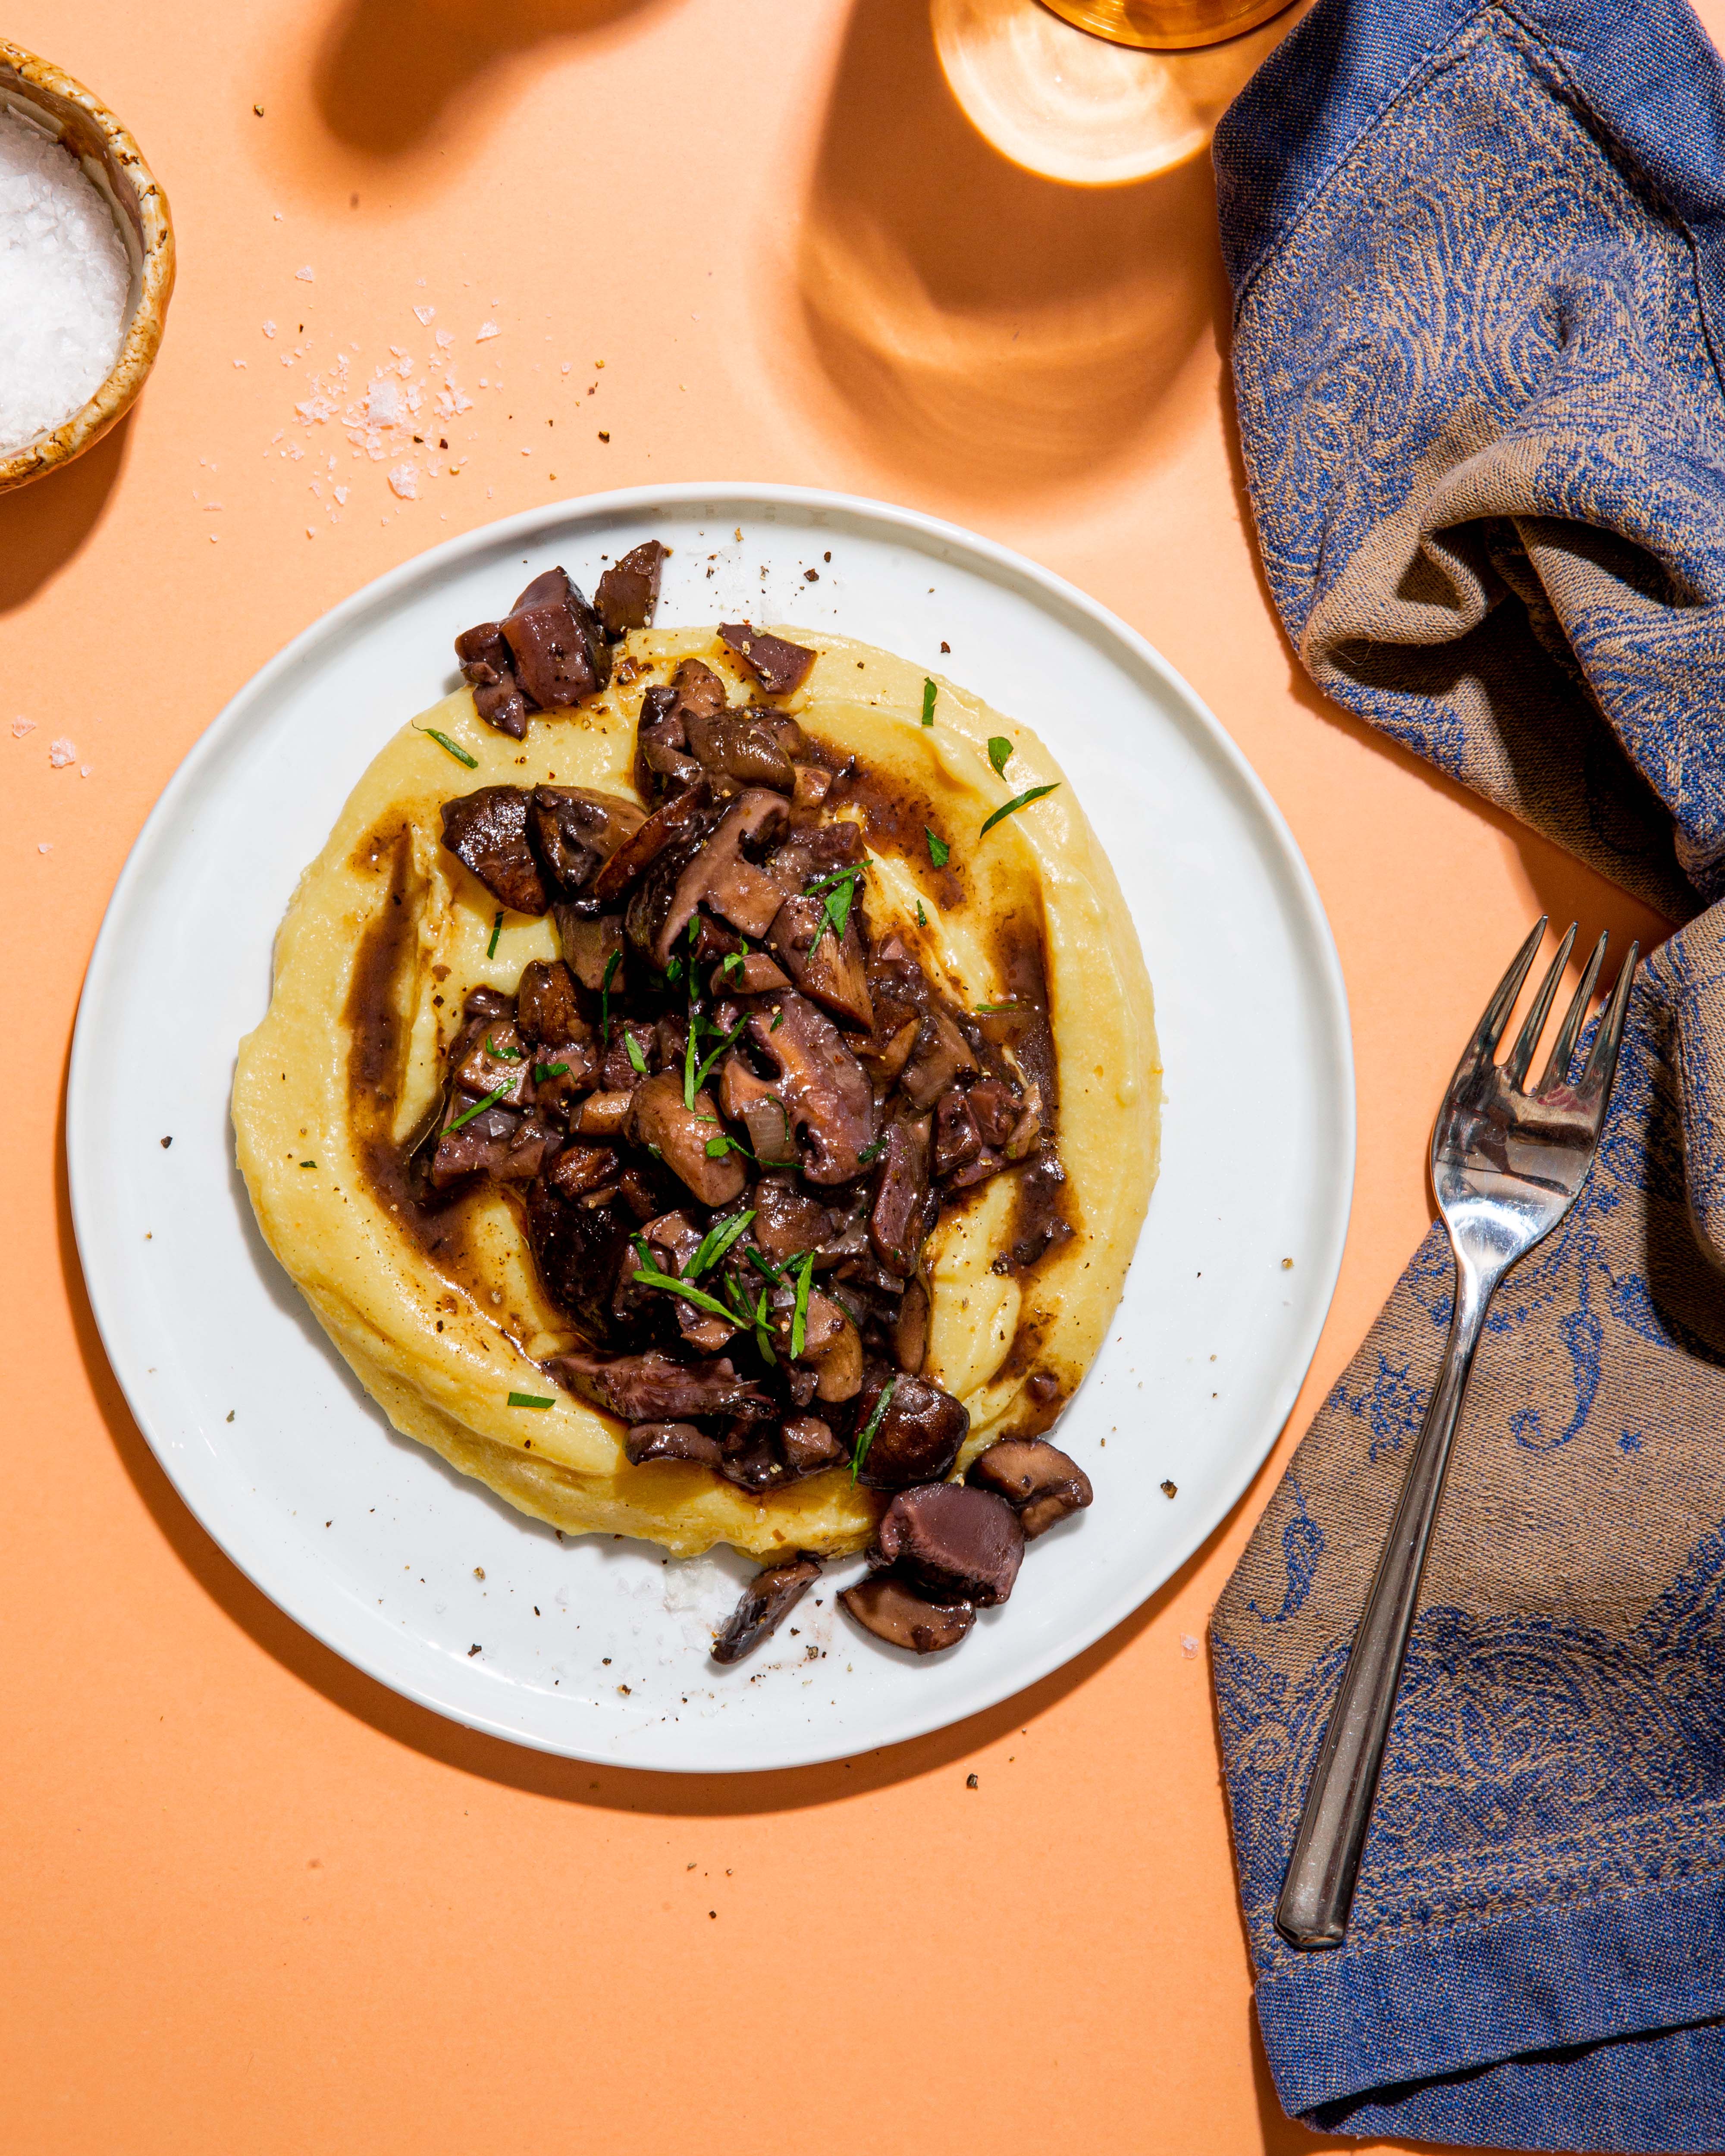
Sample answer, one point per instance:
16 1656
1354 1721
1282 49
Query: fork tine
1515 1069
1490 1030
1601 1065
1557 1064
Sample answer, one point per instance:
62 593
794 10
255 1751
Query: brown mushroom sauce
731 1114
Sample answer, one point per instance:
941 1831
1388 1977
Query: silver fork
1506 1165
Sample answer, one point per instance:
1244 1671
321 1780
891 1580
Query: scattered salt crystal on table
21 727
64 280
486 330
61 752
307 275
404 482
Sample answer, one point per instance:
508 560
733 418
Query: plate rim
285 1595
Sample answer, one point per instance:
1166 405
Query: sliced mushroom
809 1444
887 1604
575 830
556 643
546 1006
957 1139
487 832
563 1071
579 1249
994 1109
825 1091
579 1170
768 1598
604 1114
787 1221
832 1347
779 667
589 942
715 873
672 822
663 764
630 1055
1039 1480
941 1055
679 1135
910 1328
646 1441
751 1102
488 670
752 747
810 785
698 690
986 1162
959 1543
1028 1129
628 592
818 850
886 1060
655 1387
824 964
480 1147
900 1215
497 1062
918 1437
752 973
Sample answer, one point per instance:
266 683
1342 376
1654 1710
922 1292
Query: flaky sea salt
21 727
64 280
61 752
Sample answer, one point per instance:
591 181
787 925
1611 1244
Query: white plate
598 1648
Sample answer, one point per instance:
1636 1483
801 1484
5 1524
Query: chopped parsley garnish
723 1143
731 963
543 1073
922 917
715 1242
938 849
814 889
674 971
454 748
1012 1003
763 1264
478 1108
1017 801
308 1163
999 748
799 1313
496 931
529 1400
777 1021
501 1055
693 1081
873 1424
929 693
873 1150
650 1276
611 965
633 1049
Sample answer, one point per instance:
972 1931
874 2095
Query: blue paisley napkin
1478 259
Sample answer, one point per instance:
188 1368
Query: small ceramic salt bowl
39 93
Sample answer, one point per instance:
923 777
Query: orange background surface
251 1902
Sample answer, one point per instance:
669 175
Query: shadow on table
43 525
388 71
985 324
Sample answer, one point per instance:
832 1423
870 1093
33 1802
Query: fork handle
1318 1890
